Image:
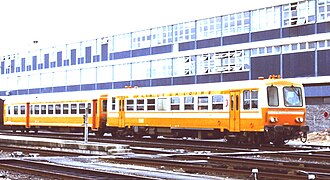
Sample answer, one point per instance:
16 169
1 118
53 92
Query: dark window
65 108
73 108
217 102
151 104
43 109
50 109
189 103
82 108
58 109
175 103
22 109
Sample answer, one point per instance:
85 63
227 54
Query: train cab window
43 109
22 109
175 103
65 108
250 99
36 109
203 103
58 108
73 108
82 108
140 105
15 109
161 104
217 102
272 96
113 104
151 104
130 104
105 105
292 96
50 109
189 103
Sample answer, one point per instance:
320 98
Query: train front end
285 116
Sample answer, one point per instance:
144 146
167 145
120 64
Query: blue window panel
87 87
141 83
66 62
18 69
239 76
323 63
73 56
7 71
2 67
2 93
81 60
88 54
119 85
323 27
100 86
59 89
34 63
96 58
28 68
264 66
59 59
13 92
206 43
104 52
52 64
299 65
34 91
317 91
12 66
298 30
161 49
236 39
46 61
22 91
161 82
186 46
210 78
73 88
184 80
40 66
141 52
111 56
265 35
122 55
46 90
23 64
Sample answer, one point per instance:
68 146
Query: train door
121 117
234 120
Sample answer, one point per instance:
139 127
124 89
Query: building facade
291 39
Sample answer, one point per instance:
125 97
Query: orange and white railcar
58 111
268 110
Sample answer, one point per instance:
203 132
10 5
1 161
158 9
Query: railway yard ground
56 156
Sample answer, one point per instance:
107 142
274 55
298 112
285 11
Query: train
268 110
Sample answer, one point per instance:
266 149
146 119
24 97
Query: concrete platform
89 148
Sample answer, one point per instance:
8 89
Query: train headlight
273 119
299 120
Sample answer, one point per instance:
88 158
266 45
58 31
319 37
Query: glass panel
292 96
272 96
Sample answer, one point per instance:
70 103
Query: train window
89 107
189 103
140 105
151 104
130 104
31 109
15 109
22 109
113 104
203 103
217 102
58 108
272 96
51 109
73 108
175 103
105 103
81 108
161 104
250 99
65 108
292 96
43 109
8 110
36 109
